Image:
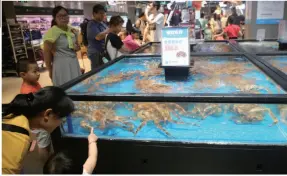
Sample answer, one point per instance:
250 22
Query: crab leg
162 129
140 127
275 120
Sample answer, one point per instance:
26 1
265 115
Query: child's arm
91 162
221 34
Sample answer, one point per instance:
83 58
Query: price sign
175 46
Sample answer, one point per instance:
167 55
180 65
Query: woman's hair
54 14
30 105
63 163
116 20
129 26
216 16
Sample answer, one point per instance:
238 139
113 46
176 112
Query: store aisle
11 85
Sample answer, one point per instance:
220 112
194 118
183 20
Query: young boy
63 163
29 72
115 46
232 30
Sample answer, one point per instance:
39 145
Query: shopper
155 22
130 41
42 110
114 46
96 33
65 162
63 65
232 30
216 27
141 23
203 22
238 19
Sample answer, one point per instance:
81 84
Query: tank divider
268 70
200 98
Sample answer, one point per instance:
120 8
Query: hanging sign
175 46
269 12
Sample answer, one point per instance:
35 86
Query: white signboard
175 46
269 12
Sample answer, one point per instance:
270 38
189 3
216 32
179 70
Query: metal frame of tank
139 50
267 64
257 56
117 156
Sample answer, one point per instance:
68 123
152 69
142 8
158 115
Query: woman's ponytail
21 105
30 105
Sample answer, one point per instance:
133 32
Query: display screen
184 122
218 74
259 47
279 62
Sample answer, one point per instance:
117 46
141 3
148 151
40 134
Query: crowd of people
38 111
221 27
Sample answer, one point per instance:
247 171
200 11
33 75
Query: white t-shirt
114 43
158 20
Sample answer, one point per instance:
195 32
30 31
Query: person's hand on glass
92 137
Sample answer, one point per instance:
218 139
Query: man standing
155 22
96 34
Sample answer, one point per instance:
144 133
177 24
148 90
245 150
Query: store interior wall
271 30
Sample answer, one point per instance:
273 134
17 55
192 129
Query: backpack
84 26
105 53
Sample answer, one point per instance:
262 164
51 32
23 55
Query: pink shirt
130 43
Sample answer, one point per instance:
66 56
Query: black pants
233 38
96 60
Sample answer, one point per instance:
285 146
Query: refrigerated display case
229 116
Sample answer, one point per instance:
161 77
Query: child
29 72
114 45
232 30
42 110
130 40
63 163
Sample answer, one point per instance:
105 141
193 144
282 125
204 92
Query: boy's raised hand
92 137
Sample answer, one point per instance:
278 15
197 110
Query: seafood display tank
199 47
229 116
